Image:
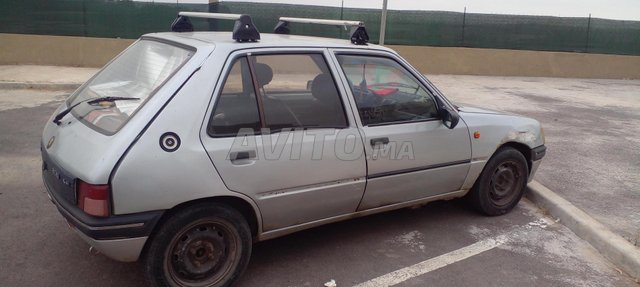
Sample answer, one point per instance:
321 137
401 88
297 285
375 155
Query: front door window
385 92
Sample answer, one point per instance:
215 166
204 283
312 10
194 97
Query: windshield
136 73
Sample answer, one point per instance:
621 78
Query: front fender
495 130
488 132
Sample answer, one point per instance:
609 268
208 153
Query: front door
410 153
279 133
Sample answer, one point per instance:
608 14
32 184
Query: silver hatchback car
190 146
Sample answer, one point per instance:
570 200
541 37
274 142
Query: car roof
223 40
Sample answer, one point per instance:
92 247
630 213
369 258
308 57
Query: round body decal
169 142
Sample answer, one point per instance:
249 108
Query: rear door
279 133
410 153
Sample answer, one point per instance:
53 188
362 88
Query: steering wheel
397 84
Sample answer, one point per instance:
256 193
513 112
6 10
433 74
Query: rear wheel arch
241 205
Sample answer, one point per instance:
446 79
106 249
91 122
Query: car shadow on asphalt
358 249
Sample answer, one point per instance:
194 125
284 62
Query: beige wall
59 50
95 52
500 62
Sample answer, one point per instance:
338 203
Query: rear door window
294 91
137 73
298 91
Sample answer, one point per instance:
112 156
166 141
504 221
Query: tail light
93 199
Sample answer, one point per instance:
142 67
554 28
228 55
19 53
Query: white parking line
429 265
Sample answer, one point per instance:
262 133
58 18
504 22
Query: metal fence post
464 21
586 47
214 7
84 18
383 22
341 18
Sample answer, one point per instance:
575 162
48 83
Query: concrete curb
612 246
39 86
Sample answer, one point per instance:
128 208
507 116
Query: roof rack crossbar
243 30
220 16
359 34
345 23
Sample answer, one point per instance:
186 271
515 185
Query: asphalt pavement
526 247
440 244
592 130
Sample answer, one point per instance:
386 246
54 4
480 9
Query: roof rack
243 30
359 34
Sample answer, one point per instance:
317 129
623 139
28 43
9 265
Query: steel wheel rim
202 254
504 184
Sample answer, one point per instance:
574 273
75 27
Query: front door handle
239 155
375 141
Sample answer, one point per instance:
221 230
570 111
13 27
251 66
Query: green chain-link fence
127 19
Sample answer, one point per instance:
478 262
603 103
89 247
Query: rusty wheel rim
203 253
505 183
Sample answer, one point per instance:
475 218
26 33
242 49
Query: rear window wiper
93 101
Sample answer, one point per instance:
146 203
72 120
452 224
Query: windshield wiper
93 101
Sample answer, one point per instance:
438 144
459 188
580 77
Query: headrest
323 88
264 74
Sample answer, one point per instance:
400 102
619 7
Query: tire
501 184
202 245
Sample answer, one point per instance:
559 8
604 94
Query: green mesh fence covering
127 19
92 18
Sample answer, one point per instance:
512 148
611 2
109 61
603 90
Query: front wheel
501 184
202 245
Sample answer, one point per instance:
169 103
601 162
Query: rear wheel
202 245
501 184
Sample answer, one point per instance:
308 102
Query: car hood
476 110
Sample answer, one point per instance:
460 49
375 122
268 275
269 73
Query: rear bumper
125 250
120 237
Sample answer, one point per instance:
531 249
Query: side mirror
449 119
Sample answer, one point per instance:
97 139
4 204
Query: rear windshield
136 73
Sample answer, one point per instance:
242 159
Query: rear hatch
111 110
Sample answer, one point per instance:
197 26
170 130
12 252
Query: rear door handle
239 155
375 141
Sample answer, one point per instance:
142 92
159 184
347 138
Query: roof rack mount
359 34
243 30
